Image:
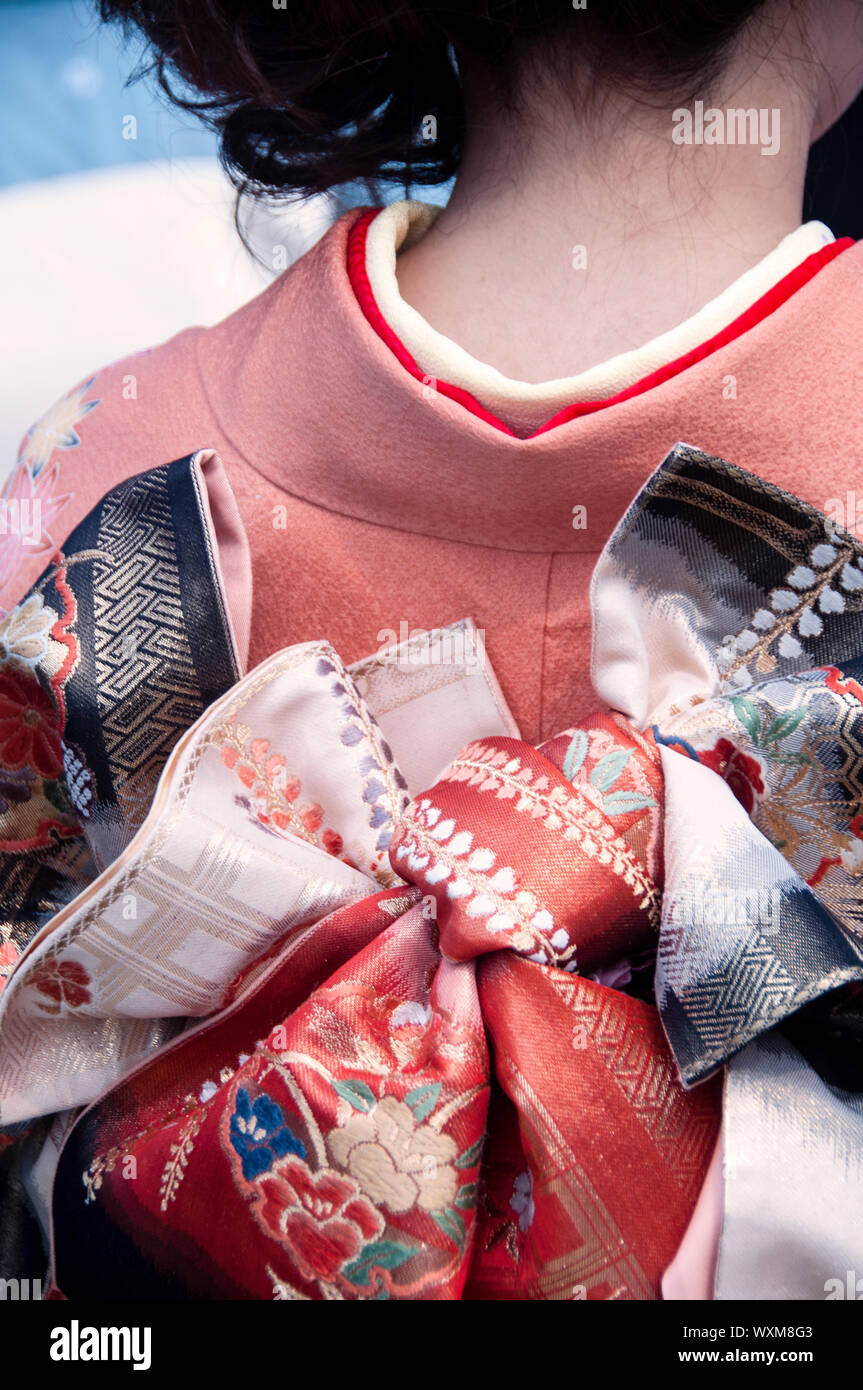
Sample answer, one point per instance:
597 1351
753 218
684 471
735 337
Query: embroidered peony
740 771
321 1217
29 726
397 1162
63 982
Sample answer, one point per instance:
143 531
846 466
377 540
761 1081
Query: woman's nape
585 222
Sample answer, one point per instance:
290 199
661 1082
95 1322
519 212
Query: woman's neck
560 248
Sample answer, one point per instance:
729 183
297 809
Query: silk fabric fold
455 1010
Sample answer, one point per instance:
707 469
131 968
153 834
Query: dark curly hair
309 94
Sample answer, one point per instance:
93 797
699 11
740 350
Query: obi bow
463 1004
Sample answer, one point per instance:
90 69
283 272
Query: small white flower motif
481 860
802 577
208 1090
78 781
411 1014
851 578
763 620
831 601
522 1201
852 858
459 888
460 843
789 646
809 624
823 555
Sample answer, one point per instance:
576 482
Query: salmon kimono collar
420 1010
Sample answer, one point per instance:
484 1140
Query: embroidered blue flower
260 1135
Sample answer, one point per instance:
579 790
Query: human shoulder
132 415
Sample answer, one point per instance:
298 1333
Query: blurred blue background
63 100
116 219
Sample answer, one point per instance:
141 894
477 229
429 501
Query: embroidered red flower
29 726
320 1217
291 788
63 981
740 771
312 817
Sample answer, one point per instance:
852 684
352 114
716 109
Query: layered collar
309 391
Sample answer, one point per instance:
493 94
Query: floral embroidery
24 632
835 564
442 853
33 490
495 770
397 1162
768 764
178 1159
260 1135
273 791
385 791
29 726
595 763
79 780
62 981
321 1217
57 428
38 652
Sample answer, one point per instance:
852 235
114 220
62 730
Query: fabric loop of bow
463 1088
356 1133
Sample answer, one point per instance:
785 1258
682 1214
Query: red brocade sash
437 1106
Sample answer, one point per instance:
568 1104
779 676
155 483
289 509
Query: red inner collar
761 309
